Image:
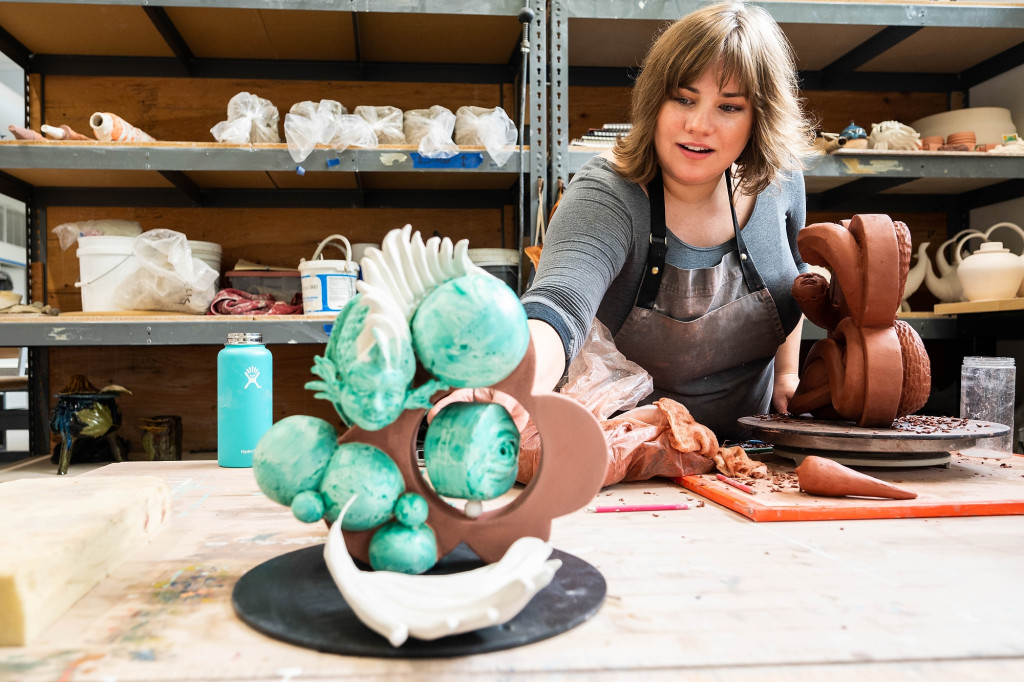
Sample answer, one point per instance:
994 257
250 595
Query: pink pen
637 508
735 484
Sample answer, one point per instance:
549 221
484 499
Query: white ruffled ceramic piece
398 606
397 276
893 135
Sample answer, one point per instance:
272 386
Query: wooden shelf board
980 306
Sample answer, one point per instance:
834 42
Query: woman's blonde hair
747 44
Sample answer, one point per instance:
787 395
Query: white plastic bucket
327 285
105 262
502 263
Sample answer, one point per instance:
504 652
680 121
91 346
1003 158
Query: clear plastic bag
68 233
250 119
308 124
387 123
168 277
603 379
488 128
431 130
354 131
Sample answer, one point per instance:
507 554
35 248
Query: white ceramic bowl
988 124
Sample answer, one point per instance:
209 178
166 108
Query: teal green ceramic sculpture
467 327
471 331
372 388
471 451
367 474
419 304
405 545
290 461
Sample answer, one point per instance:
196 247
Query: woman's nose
699 120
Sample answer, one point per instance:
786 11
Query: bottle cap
241 338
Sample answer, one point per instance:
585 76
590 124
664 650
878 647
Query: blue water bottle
245 397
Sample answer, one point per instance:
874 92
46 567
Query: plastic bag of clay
308 124
168 277
603 379
387 123
250 119
353 131
68 233
431 131
488 128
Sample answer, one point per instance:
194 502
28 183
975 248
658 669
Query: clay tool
735 484
637 508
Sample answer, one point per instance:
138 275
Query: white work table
698 594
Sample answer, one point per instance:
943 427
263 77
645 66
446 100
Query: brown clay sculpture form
823 476
871 368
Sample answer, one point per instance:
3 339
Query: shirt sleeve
585 247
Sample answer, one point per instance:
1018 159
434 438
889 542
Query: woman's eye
731 108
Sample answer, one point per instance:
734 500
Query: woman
682 239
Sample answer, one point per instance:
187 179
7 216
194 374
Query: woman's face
702 130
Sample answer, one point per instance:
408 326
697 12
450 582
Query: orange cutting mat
969 487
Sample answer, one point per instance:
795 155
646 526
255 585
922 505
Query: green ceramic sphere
411 510
471 331
308 506
363 471
402 549
471 451
292 456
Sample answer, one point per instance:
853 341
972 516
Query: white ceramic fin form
398 606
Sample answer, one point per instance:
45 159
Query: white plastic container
105 262
502 263
327 285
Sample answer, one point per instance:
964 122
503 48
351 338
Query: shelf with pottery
217 156
982 273
145 328
857 61
953 172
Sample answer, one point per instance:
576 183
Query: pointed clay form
822 476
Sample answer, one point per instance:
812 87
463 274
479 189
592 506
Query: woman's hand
784 388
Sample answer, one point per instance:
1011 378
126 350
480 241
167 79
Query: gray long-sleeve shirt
595 251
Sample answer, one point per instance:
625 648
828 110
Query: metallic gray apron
708 336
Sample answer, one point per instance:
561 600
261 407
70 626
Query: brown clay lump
822 476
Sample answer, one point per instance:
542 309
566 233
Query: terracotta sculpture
823 476
871 367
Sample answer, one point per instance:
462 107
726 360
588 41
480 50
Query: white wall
1005 90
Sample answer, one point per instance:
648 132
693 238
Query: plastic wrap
387 123
250 119
431 130
169 277
488 128
353 131
68 233
308 124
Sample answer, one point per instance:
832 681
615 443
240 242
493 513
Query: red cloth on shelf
237 302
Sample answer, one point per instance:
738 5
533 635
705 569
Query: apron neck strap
651 281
